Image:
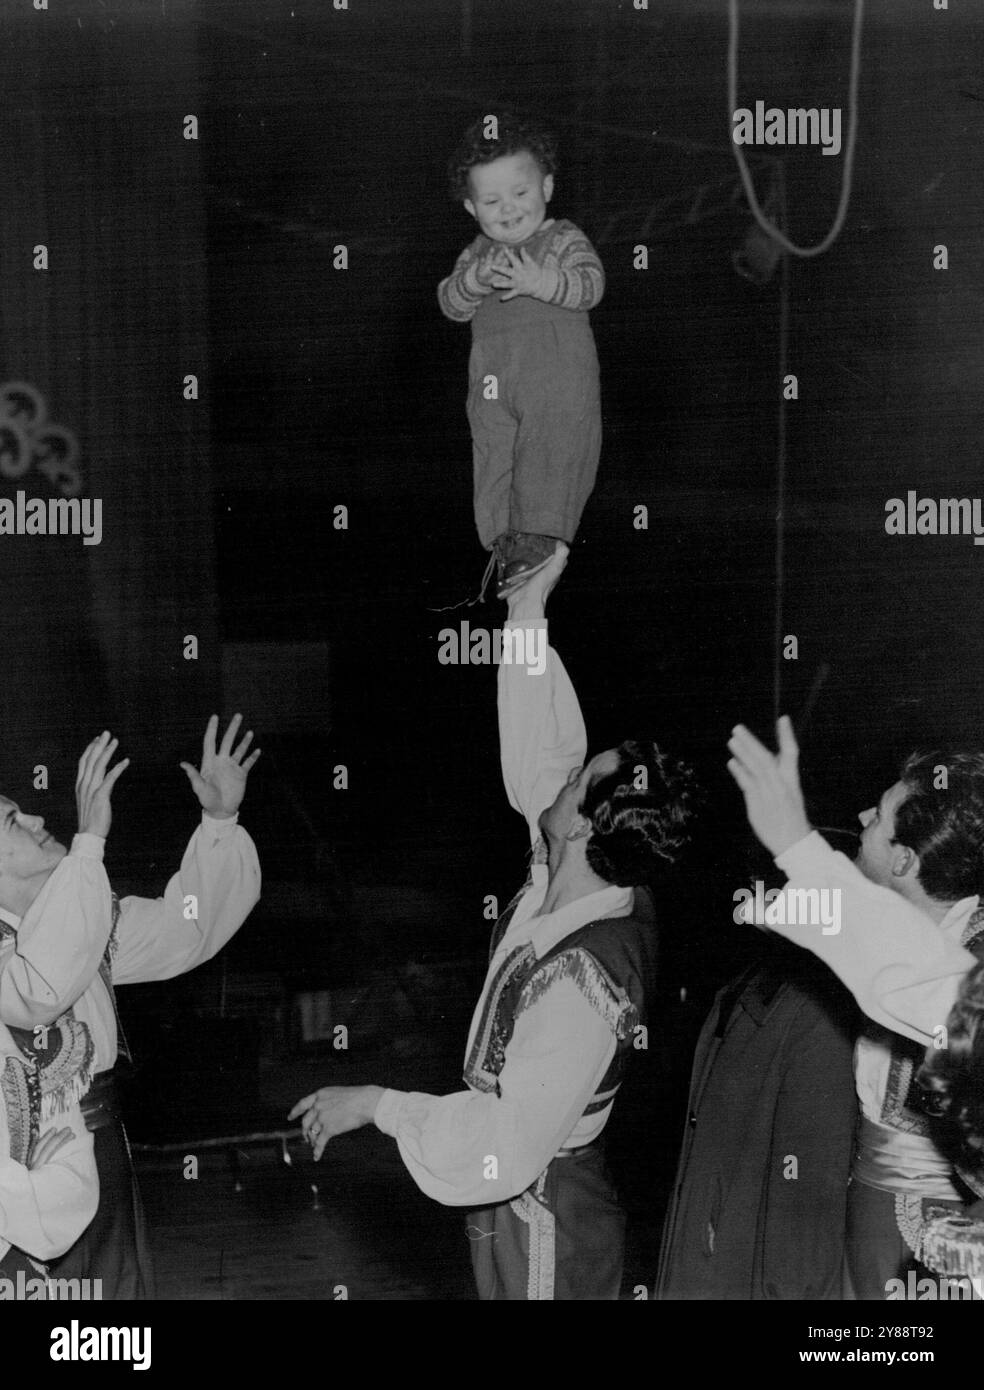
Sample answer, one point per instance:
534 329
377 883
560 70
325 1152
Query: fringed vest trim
943 1239
37 1086
522 979
488 1051
592 982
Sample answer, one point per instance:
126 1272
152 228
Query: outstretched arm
541 730
473 1148
896 962
218 884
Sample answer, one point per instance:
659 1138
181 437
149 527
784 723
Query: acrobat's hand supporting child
522 275
527 597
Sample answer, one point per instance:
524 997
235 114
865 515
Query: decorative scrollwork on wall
28 439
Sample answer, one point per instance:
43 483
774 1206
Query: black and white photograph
492 555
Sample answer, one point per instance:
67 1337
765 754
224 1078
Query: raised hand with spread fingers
220 783
94 785
771 786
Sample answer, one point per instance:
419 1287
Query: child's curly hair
515 134
955 1074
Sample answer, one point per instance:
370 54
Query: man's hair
955 1074
640 814
944 825
514 134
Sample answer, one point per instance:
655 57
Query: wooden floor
251 1226
354 1225
364 1233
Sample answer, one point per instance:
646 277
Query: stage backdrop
98 170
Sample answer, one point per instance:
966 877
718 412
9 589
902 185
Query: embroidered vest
609 961
53 1065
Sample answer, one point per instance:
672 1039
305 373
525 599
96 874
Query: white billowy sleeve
60 941
204 905
902 970
541 729
44 1211
474 1148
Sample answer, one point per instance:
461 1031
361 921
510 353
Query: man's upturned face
557 820
509 197
876 852
27 851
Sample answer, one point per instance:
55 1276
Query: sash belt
892 1160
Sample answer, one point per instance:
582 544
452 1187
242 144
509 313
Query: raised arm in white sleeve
559 1051
204 905
60 941
541 729
899 966
44 1210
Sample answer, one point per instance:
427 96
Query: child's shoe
502 548
497 561
527 554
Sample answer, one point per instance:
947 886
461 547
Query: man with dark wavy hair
562 1003
908 917
925 841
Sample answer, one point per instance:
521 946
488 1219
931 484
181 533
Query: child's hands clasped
519 275
488 266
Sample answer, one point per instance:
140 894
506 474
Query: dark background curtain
97 169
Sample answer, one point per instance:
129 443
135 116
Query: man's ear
470 207
904 862
548 188
580 827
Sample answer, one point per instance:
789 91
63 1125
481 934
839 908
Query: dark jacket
772 1095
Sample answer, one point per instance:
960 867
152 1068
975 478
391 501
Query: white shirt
44 1211
561 1047
904 971
873 1055
54 963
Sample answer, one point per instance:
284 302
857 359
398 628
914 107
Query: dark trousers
114 1247
536 446
562 1239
